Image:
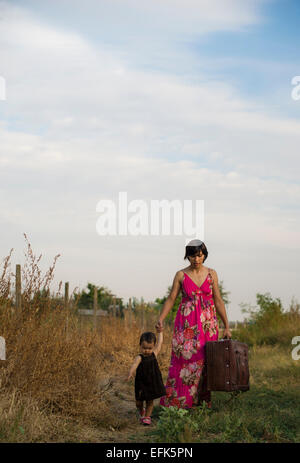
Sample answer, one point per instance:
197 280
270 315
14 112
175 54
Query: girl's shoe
146 420
141 415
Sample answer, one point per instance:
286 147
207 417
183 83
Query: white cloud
82 124
127 19
198 16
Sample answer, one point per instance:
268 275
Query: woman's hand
159 326
227 333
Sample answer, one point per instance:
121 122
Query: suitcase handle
227 338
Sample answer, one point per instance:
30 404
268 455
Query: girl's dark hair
192 250
148 337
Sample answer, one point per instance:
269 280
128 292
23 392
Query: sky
163 100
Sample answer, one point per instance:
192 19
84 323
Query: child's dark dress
148 380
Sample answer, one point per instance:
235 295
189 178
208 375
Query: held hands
159 326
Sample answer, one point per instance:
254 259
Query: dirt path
120 396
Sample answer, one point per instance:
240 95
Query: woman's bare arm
167 307
219 303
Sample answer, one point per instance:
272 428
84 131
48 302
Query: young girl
148 379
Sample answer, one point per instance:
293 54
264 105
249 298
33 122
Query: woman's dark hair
148 337
192 250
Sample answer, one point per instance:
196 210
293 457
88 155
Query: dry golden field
65 381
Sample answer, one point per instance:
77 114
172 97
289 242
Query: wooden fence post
115 310
66 295
95 307
126 317
18 289
143 316
130 313
67 306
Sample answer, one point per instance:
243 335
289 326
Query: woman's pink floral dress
195 324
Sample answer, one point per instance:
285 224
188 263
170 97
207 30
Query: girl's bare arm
157 348
134 366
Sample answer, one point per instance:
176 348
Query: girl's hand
159 326
227 333
129 376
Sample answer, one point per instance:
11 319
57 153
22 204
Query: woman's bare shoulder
213 274
180 274
212 271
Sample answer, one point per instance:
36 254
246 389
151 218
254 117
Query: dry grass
57 380
63 381
53 378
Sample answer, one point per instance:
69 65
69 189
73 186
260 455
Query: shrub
175 425
269 323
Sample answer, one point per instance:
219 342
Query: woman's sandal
146 420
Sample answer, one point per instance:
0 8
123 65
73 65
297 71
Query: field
71 387
64 380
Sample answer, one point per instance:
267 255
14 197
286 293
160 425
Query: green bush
269 323
175 425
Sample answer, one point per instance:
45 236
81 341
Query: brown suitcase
227 365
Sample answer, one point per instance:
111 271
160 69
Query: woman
195 324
